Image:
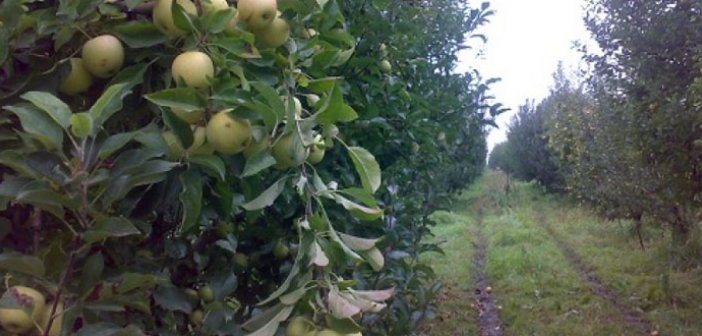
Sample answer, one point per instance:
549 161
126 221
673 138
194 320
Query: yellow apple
20 320
193 68
257 14
103 56
209 6
316 154
227 134
163 16
78 80
275 34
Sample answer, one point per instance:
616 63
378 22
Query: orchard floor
554 268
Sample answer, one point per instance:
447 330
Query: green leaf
191 199
211 164
132 281
109 329
39 125
114 143
272 98
54 107
184 98
257 163
267 198
340 307
91 272
81 124
375 258
356 243
217 21
181 19
266 323
20 263
109 103
140 34
172 298
332 108
366 167
359 211
180 128
5 228
112 227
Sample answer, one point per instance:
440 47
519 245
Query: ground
554 268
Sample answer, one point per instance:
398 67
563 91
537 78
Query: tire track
488 313
632 317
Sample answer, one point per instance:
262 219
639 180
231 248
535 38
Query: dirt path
488 313
632 317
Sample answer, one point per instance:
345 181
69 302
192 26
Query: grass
539 291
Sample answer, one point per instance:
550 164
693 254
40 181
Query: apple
257 14
257 146
327 332
198 146
316 154
103 56
193 68
197 317
227 134
286 155
30 313
312 99
281 250
57 324
209 6
275 34
299 326
78 80
232 25
192 117
241 260
385 66
205 293
163 16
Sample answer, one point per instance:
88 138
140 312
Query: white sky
526 40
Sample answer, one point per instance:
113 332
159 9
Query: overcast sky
526 40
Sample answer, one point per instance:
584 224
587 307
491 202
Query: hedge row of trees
230 167
629 138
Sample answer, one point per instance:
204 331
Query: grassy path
555 269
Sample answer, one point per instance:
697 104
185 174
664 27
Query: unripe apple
197 317
286 154
227 134
281 250
257 14
192 117
241 260
198 146
194 69
385 66
209 6
78 80
275 34
163 16
205 293
328 332
22 319
103 56
257 147
299 326
316 154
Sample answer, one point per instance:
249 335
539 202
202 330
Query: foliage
113 204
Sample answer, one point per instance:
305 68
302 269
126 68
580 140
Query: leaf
366 167
132 281
375 258
140 34
375 295
359 211
267 198
257 163
39 125
180 128
339 306
112 227
109 103
172 298
266 323
272 98
318 257
356 243
218 20
294 296
20 263
81 124
212 164
191 199
184 98
114 143
109 329
54 107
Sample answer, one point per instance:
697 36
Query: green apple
205 293
22 319
163 16
286 154
227 134
385 66
209 6
257 14
192 117
241 260
103 56
78 80
281 250
275 34
193 68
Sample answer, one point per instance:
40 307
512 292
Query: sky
526 40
